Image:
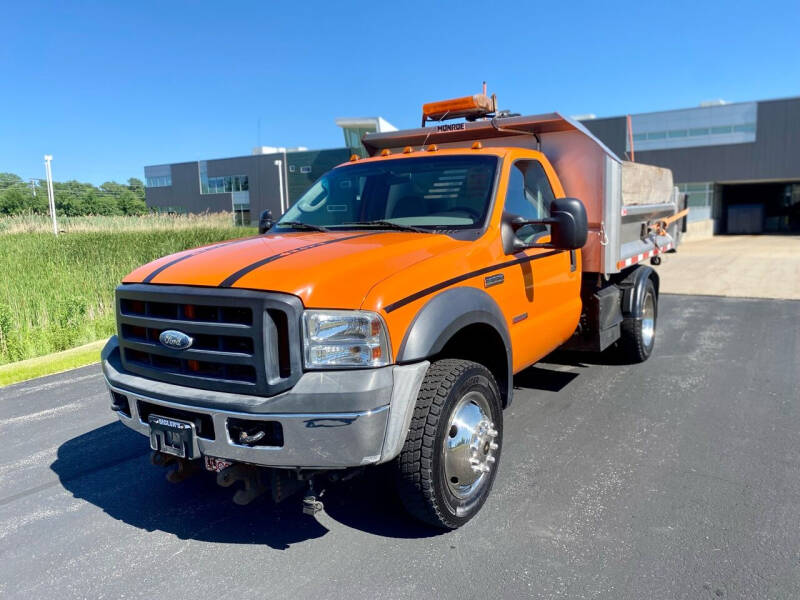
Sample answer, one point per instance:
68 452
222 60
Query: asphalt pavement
677 478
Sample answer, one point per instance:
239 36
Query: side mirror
265 221
569 227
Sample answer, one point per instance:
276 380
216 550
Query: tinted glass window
529 196
436 191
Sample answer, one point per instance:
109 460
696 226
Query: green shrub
5 328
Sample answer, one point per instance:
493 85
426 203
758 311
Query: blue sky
110 87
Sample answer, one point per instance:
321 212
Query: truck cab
382 318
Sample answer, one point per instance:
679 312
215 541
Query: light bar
470 107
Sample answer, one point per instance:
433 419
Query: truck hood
325 269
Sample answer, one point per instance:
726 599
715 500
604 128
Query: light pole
279 163
51 198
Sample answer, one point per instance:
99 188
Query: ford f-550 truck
383 317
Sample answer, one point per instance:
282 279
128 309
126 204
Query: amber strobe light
469 107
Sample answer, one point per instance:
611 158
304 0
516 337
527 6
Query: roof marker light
354 157
408 150
433 148
385 152
477 146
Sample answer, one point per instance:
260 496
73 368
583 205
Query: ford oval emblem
177 340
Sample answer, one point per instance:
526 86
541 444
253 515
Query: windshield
451 192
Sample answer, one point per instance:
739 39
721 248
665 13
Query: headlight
344 338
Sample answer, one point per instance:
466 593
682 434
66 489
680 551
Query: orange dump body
395 273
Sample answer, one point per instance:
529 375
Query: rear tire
450 457
638 336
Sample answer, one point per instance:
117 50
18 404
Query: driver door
545 285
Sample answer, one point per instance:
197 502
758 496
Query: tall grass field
57 292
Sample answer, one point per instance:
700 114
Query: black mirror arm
519 223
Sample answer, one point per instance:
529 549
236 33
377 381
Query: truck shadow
610 357
110 468
549 374
539 377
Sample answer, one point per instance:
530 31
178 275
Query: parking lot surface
744 266
677 478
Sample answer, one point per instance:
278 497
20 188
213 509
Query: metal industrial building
245 184
269 178
739 164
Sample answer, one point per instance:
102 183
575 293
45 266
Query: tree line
72 198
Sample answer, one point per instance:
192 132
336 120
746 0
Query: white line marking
53 384
32 460
12 525
42 414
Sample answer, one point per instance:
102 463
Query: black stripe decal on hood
150 277
231 279
445 284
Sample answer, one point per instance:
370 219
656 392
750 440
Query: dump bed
622 199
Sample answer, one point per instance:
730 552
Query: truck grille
243 341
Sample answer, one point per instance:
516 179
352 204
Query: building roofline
669 110
191 162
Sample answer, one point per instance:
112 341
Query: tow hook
311 506
249 440
183 468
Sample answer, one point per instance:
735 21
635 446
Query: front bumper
330 420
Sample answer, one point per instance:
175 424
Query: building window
700 197
223 184
352 138
721 130
692 134
160 181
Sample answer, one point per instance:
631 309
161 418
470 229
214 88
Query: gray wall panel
774 155
611 131
184 191
264 186
319 162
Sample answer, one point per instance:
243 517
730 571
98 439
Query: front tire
450 457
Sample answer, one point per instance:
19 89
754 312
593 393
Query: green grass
58 292
30 223
52 363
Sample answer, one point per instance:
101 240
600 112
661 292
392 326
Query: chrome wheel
648 320
469 446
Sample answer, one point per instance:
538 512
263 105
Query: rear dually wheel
638 335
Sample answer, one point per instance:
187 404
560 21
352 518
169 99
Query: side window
529 195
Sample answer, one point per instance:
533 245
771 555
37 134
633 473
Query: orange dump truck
383 317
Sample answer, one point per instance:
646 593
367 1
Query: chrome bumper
333 439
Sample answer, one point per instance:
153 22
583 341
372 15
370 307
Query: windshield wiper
390 225
301 225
